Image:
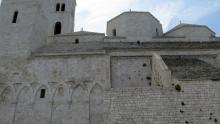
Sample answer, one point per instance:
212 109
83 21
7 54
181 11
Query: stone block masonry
196 103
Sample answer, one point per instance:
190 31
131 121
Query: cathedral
134 73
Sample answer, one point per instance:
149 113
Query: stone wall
193 33
130 71
27 34
73 38
197 102
135 26
62 103
161 75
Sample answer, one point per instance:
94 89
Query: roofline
133 12
187 25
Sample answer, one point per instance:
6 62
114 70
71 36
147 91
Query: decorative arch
57 28
96 107
42 106
78 93
7 94
23 107
6 106
79 105
38 93
60 106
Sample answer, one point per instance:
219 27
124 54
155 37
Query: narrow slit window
63 7
15 17
157 33
42 93
58 7
114 32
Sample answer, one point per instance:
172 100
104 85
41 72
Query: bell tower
61 17
23 27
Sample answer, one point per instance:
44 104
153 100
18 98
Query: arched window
57 28
15 16
58 7
63 7
114 33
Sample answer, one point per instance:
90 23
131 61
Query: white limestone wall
161 75
192 33
130 71
27 34
72 38
73 86
197 102
67 17
63 104
135 26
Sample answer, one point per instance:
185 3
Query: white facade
191 32
135 26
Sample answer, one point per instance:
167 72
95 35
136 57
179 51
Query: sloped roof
187 25
191 69
134 12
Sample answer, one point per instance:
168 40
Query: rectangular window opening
15 16
42 93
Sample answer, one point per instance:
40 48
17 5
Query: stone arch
80 105
42 106
38 93
60 107
6 106
24 106
96 107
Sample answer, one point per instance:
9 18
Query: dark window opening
57 28
157 33
76 41
58 7
114 32
63 7
15 16
42 93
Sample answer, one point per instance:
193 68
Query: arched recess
24 111
60 108
80 106
42 106
96 107
6 106
57 28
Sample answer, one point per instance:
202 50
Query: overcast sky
92 15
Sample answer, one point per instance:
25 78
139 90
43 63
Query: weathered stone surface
139 76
